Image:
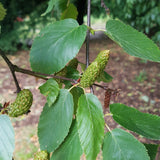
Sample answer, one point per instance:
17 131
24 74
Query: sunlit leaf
90 124
133 42
55 121
7 139
56 45
120 145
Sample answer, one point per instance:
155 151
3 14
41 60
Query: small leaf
55 121
145 124
51 4
6 138
152 150
133 42
120 145
90 123
70 149
104 77
70 12
51 90
56 45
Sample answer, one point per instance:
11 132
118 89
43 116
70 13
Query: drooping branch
13 68
41 75
10 65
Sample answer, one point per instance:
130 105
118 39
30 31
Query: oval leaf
90 123
55 121
70 149
56 45
6 138
147 125
133 42
120 145
51 90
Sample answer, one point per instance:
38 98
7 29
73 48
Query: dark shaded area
82 10
17 8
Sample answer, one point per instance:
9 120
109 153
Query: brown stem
41 75
14 68
103 87
10 65
104 6
25 71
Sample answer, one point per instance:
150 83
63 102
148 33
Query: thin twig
88 36
108 128
41 75
100 86
88 31
104 6
10 65
25 71
44 76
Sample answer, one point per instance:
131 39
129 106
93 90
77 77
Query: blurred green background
23 20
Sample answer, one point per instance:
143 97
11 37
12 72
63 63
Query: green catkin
95 69
22 103
41 155
2 12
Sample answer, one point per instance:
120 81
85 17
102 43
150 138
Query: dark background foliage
144 15
24 18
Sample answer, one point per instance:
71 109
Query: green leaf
6 138
51 4
70 12
90 125
145 124
61 5
104 77
2 12
70 149
120 145
132 41
56 45
58 5
72 73
152 150
55 121
51 90
76 93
